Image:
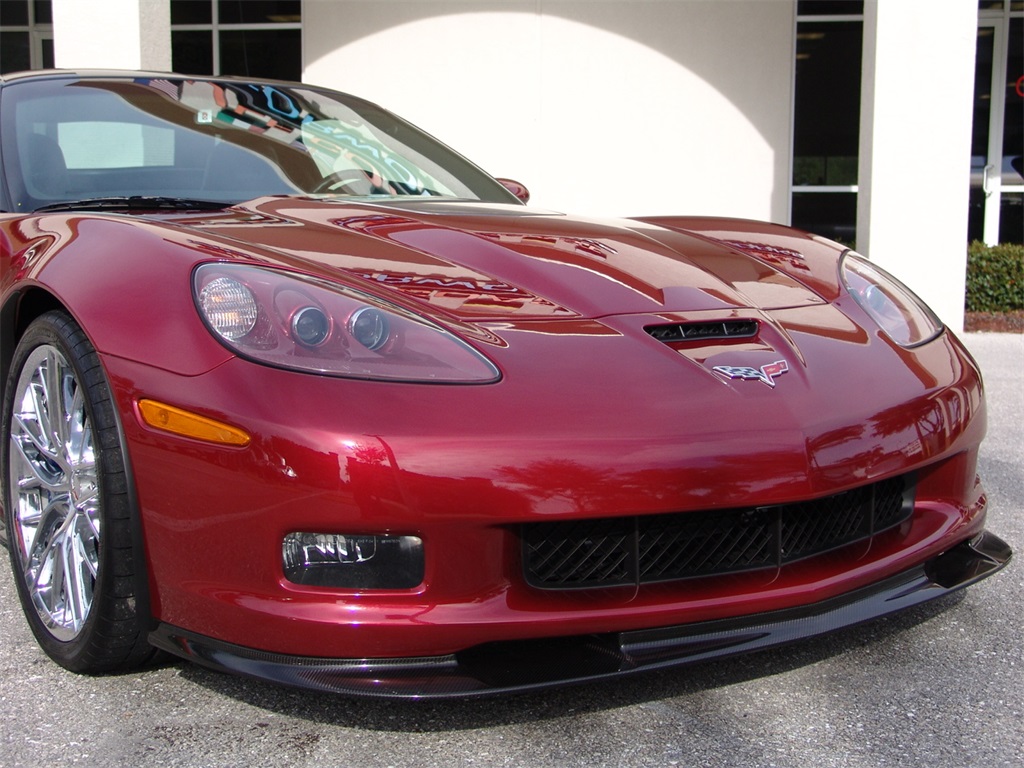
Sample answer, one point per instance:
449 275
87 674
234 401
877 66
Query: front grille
646 549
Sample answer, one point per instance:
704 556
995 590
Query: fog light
353 561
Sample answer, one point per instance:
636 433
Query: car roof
53 74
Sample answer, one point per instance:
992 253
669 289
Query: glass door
997 144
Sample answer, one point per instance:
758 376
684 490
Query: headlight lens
306 324
229 307
898 311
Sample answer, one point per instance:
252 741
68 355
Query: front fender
126 283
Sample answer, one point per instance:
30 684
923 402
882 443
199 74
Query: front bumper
533 664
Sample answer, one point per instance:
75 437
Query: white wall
112 34
611 108
917 100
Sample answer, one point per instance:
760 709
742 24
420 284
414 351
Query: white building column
112 34
915 145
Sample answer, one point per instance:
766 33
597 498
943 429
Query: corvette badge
766 373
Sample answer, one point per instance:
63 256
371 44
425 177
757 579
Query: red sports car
295 391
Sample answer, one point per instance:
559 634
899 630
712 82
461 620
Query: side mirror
517 189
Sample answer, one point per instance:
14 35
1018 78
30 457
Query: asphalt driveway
940 686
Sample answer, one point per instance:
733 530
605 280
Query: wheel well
19 311
15 316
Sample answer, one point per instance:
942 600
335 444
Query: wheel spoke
43 569
79 432
38 410
76 597
54 381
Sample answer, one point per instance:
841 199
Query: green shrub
995 277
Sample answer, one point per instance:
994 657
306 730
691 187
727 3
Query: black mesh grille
645 549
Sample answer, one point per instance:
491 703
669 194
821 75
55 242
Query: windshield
225 141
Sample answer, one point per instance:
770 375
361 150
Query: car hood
479 261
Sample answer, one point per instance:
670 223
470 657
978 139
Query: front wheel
74 544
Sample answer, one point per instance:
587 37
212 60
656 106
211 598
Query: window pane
982 98
976 213
1011 218
829 7
14 13
1013 112
192 52
44 11
275 53
826 129
259 11
832 214
191 11
15 54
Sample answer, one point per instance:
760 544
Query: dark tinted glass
1011 218
44 11
826 129
829 7
14 51
275 53
259 11
14 13
976 212
833 215
1013 112
192 52
982 96
191 11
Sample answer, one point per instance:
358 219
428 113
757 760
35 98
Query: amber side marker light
167 418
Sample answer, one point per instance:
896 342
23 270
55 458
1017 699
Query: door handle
985 180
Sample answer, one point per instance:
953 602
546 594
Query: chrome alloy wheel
54 492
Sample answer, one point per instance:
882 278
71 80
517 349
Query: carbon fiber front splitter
528 665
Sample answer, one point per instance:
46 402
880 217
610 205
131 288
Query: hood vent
728 329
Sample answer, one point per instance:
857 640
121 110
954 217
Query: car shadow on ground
464 714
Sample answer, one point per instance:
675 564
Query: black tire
72 529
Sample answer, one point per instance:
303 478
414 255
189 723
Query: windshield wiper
137 203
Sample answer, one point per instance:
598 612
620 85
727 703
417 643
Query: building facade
886 124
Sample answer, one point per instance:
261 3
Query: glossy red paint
592 417
331 454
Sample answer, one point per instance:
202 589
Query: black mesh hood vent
727 329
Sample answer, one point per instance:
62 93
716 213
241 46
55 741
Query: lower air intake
655 548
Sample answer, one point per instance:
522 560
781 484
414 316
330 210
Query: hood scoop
704 331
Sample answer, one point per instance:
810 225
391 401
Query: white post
915 145
112 34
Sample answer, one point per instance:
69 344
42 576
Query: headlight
898 311
306 324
